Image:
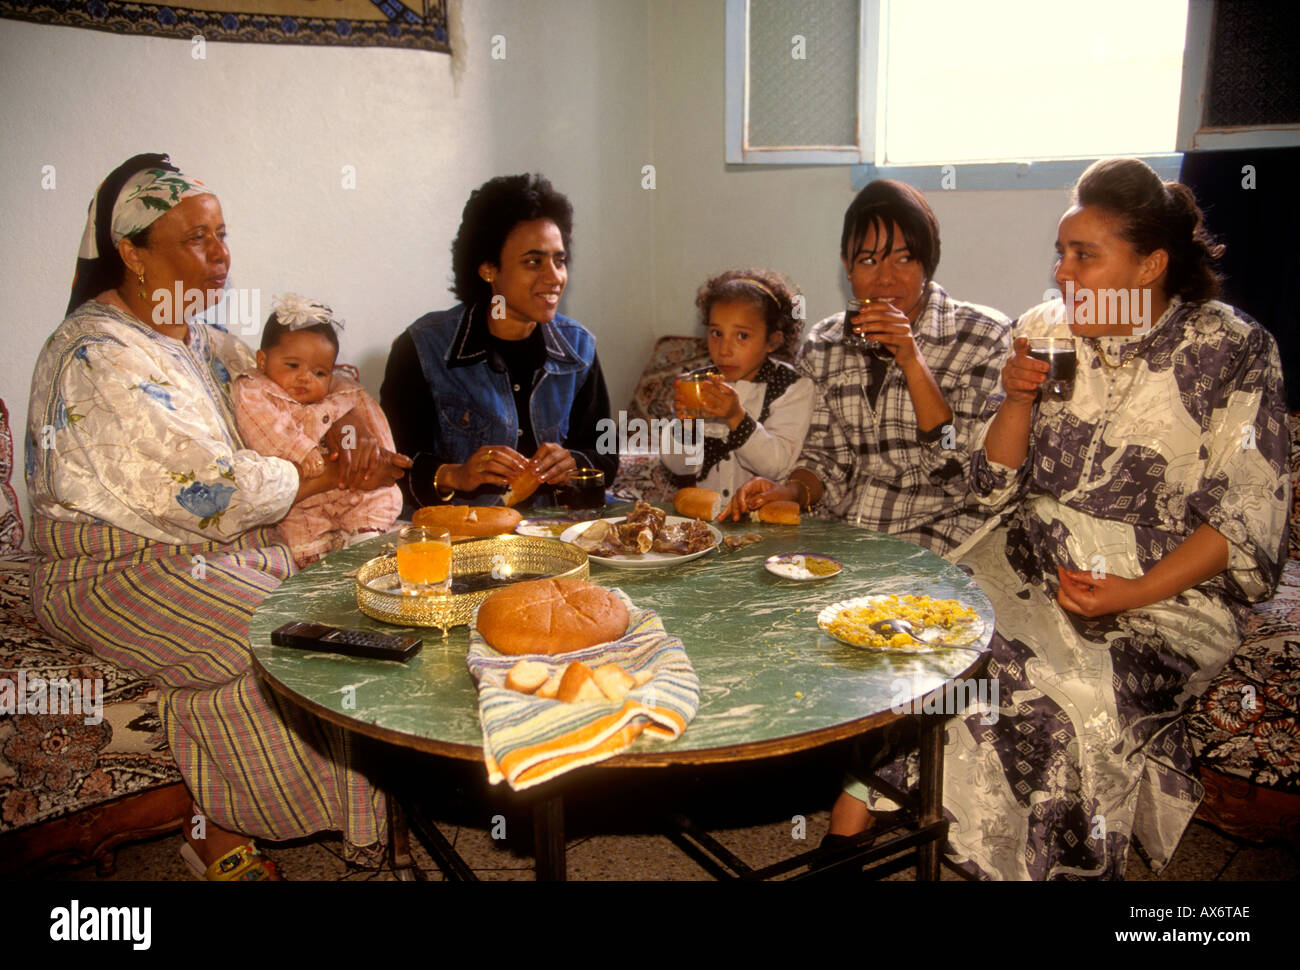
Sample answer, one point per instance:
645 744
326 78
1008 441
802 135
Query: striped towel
528 740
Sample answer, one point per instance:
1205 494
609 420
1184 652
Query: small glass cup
691 384
854 339
1060 354
424 560
584 490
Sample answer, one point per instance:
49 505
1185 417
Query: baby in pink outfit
285 408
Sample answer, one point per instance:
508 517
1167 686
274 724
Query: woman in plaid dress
892 427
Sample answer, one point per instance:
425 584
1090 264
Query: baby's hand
391 466
393 459
312 464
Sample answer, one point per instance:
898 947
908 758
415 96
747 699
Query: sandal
244 863
835 844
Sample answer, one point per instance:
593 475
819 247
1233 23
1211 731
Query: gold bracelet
451 492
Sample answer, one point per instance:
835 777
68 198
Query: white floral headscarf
147 195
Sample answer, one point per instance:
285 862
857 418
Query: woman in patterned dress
152 521
1136 520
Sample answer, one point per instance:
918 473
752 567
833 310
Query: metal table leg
399 844
442 851
548 838
931 794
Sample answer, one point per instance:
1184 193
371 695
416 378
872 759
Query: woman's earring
140 287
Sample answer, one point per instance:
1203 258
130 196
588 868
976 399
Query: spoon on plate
890 627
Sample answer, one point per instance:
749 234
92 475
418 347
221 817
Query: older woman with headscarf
151 521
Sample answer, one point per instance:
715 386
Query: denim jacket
475 405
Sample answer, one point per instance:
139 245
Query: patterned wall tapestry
419 24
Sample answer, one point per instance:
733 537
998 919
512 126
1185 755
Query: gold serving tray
508 555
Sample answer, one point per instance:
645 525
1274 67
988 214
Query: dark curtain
1261 228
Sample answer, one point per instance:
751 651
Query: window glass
803 72
1023 79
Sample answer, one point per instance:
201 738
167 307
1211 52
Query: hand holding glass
860 340
1060 355
689 387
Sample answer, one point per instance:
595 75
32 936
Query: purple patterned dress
1183 425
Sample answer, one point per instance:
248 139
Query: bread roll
578 684
614 682
551 688
527 676
548 616
521 487
698 503
468 520
780 513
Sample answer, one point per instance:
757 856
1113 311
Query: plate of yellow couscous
940 623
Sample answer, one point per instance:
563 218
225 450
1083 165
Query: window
999 94
1241 88
1047 83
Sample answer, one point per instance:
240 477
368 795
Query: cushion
11 523
644 476
1247 724
670 357
56 764
1295 484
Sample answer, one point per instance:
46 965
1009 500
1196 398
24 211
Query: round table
771 682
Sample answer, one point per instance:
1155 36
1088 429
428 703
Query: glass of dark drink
585 490
854 339
1060 356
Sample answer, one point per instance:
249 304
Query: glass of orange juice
424 560
690 385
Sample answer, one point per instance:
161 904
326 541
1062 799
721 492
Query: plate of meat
646 539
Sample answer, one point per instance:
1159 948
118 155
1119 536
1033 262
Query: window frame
1003 174
738 149
1193 135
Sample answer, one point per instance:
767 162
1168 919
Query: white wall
269 129
709 216
588 93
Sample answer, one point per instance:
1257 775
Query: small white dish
795 565
543 528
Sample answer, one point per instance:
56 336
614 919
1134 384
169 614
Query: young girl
757 412
287 405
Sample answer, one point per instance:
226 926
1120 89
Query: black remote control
353 643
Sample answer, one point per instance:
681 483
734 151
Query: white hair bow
296 312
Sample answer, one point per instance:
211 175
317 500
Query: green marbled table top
766 670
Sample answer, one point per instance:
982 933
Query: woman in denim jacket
501 381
